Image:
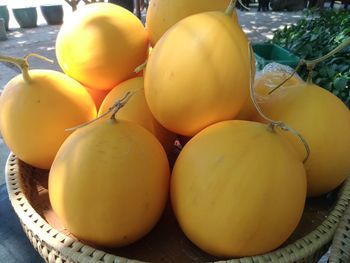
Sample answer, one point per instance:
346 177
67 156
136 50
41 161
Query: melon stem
313 63
284 81
120 104
309 75
22 63
251 86
272 124
310 64
231 8
113 109
141 67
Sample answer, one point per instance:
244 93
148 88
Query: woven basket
340 250
27 189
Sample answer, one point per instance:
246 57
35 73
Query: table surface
14 244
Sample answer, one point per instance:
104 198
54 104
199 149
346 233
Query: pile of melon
239 184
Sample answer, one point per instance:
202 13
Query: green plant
313 37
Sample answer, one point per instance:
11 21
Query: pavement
259 27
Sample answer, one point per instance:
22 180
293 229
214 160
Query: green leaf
342 68
340 83
315 36
331 71
323 72
327 86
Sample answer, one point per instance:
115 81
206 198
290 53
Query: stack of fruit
239 185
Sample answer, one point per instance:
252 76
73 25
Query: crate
266 53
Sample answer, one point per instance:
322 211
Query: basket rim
340 248
73 250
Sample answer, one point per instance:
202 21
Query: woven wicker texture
55 246
340 250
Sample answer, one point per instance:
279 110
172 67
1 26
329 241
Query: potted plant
4 14
26 17
53 14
